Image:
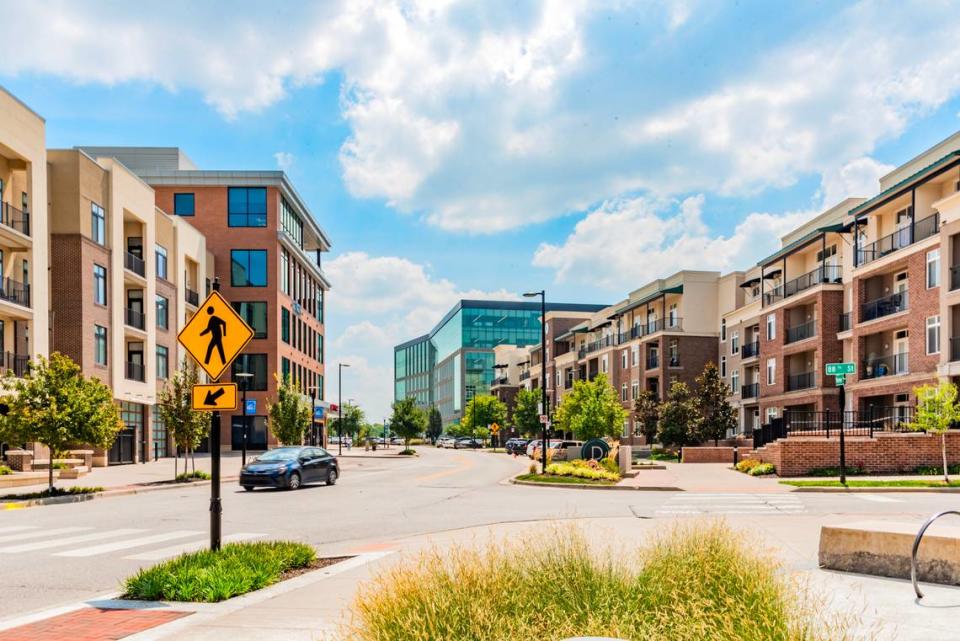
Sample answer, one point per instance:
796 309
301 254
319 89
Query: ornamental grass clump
693 584
582 469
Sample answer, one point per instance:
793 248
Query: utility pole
340 367
543 373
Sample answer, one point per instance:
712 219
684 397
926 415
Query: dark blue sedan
290 467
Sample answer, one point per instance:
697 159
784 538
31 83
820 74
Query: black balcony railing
134 264
899 239
822 274
524 375
653 361
654 326
844 321
749 350
805 380
15 292
634 332
885 306
192 297
16 363
135 319
955 348
801 332
136 372
750 390
594 346
501 380
15 219
955 277
886 366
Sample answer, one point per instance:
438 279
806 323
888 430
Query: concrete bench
883 548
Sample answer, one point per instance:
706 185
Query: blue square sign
318 412
251 407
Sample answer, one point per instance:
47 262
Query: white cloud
284 159
639 239
859 177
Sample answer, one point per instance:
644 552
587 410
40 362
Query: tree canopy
936 411
290 415
647 412
591 410
353 419
482 411
186 426
408 421
526 415
717 415
679 416
434 423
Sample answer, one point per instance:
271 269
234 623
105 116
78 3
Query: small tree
186 426
290 415
434 424
56 405
526 417
679 416
408 420
936 411
353 419
480 412
647 412
591 410
718 416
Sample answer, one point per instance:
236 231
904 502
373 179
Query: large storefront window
159 440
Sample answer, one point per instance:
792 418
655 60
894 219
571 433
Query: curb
107 493
876 490
622 488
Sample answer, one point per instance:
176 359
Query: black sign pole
843 444
216 507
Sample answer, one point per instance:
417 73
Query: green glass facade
454 362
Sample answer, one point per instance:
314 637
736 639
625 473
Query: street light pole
340 367
313 416
245 377
543 372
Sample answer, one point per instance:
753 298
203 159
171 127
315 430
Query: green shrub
936 470
209 577
697 583
196 475
747 464
48 493
408 452
610 464
579 468
762 469
4 470
663 455
60 465
851 471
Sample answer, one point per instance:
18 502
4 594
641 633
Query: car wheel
332 477
294 482
248 488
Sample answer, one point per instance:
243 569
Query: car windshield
280 454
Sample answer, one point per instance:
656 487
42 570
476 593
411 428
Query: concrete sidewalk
702 477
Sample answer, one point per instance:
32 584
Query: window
284 272
933 268
256 316
735 343
771 413
320 347
161 262
99 345
98 224
623 359
771 326
830 252
723 367
735 381
673 349
933 335
603 364
248 268
635 355
163 362
163 312
723 329
284 368
183 205
623 392
771 371
634 390
290 222
255 364
247 206
99 285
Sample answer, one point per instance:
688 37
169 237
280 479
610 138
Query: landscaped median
577 472
893 484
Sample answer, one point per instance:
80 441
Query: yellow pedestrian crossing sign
215 335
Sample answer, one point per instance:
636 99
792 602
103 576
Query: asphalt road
54 555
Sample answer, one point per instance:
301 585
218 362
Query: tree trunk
50 472
176 461
943 451
193 461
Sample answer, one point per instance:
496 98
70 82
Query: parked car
290 468
445 441
516 446
347 441
467 443
530 447
396 440
560 449
551 444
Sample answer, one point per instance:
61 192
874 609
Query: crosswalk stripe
17 528
192 546
877 499
129 543
52 532
70 540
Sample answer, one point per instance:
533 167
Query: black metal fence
829 423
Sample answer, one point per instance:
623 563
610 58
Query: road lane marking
192 546
53 532
129 543
877 499
70 540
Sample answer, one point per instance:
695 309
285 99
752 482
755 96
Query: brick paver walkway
91 624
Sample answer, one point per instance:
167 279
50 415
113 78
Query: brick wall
884 454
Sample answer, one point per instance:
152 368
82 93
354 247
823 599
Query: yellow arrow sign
215 335
222 396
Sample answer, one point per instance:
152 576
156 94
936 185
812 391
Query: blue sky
482 149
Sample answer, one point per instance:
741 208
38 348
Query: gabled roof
894 191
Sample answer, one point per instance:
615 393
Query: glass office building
454 362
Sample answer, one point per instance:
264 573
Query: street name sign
215 335
219 396
841 369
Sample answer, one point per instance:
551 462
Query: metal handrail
916 548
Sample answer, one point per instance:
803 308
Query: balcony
135 319
899 239
501 380
136 372
192 297
955 277
805 380
955 349
886 365
801 332
751 390
15 219
892 304
16 363
635 332
845 322
15 292
653 361
596 346
134 264
750 350
823 274
525 375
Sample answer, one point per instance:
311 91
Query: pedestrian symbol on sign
217 328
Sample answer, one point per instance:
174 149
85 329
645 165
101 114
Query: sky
483 149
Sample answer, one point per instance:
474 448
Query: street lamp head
243 375
533 294
344 364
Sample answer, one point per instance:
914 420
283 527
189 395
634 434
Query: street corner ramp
884 548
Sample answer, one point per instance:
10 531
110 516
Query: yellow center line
466 465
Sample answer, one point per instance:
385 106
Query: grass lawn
236 569
57 491
869 483
561 480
